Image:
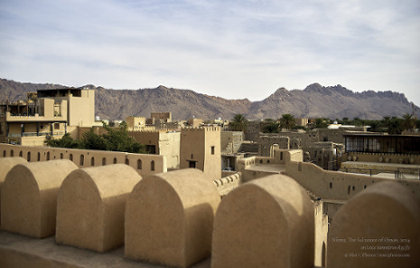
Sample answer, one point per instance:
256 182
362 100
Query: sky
232 49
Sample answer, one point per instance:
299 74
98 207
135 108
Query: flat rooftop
26 252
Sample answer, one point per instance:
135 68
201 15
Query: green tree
269 126
321 123
116 139
287 121
65 142
409 122
239 122
393 125
90 140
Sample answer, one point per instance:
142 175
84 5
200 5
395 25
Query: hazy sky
232 49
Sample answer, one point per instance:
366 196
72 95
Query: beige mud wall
379 227
6 164
29 197
91 204
169 218
267 222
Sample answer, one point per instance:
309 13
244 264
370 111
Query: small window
82 160
212 150
348 189
281 155
192 156
20 153
48 156
364 187
11 152
152 165
4 153
127 162
103 161
115 160
139 164
330 185
71 157
353 188
92 161
61 156
28 156
56 125
39 156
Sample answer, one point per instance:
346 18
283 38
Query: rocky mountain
314 101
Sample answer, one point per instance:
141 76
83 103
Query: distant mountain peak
314 87
161 87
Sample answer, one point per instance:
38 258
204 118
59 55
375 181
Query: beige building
166 143
195 122
135 122
51 112
200 148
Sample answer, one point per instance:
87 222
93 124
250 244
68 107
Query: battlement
202 128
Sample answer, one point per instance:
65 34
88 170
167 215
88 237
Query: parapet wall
204 128
227 184
144 164
337 185
279 156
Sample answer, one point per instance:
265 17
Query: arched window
82 160
330 185
61 156
103 161
38 156
4 153
139 164
71 157
28 157
152 165
12 152
92 161
115 160
20 153
48 156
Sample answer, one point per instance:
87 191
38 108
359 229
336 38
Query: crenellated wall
227 184
144 164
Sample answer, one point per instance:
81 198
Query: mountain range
314 101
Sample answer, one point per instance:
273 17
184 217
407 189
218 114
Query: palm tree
238 122
409 122
287 121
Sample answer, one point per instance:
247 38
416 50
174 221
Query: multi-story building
51 112
200 148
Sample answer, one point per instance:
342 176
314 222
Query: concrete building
200 148
51 112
